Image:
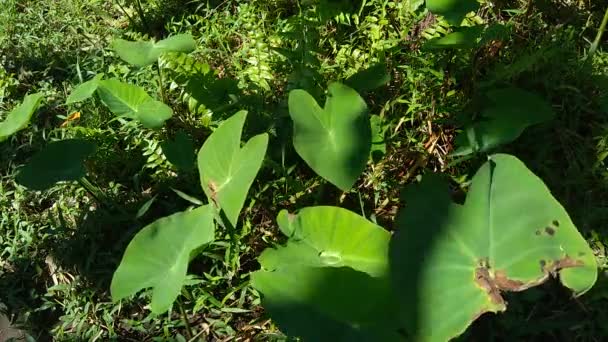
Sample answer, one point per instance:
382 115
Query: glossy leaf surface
335 141
133 102
20 116
58 161
451 263
227 170
331 275
142 53
159 254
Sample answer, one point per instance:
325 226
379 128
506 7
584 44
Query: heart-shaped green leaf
510 112
58 161
85 90
20 116
180 151
227 170
159 254
133 102
335 141
143 53
451 263
332 275
452 10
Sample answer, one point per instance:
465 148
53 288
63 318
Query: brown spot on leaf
504 283
485 282
555 223
566 262
213 189
550 231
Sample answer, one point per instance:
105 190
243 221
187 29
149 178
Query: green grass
59 248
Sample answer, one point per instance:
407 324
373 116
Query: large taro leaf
142 53
159 254
227 170
58 161
452 10
451 263
20 116
335 141
510 112
133 102
330 282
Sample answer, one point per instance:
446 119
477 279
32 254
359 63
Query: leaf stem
161 81
599 35
185 318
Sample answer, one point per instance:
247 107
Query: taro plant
335 141
18 118
507 113
124 100
158 256
446 265
58 161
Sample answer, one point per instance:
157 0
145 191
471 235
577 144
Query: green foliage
85 90
408 72
452 10
335 141
20 116
504 118
333 257
450 263
58 161
142 53
369 79
180 151
511 234
133 102
159 254
227 170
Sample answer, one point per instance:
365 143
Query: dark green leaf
58 161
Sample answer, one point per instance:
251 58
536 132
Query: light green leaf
85 90
510 112
227 170
331 275
20 116
451 263
142 53
159 254
453 11
335 141
180 151
58 161
133 102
